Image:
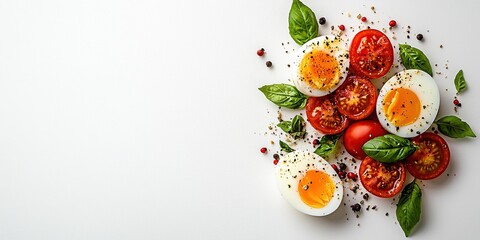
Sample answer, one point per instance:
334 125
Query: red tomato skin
444 154
358 134
323 115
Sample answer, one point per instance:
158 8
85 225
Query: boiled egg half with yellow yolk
309 183
320 65
408 103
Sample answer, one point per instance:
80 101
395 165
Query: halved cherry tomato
382 179
324 116
431 158
356 98
371 53
358 134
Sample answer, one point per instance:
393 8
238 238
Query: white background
142 120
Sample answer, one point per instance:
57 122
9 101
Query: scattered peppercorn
366 196
419 37
322 20
263 150
457 103
269 64
316 142
352 176
343 166
334 167
260 52
275 162
364 19
356 207
392 23
276 156
341 27
341 174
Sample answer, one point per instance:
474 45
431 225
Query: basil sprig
413 58
284 95
296 127
454 127
388 148
285 147
302 23
328 144
409 207
460 83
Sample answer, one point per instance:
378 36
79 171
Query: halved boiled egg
320 65
408 103
309 183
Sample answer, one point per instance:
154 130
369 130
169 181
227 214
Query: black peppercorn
356 207
276 156
420 37
268 63
322 21
343 166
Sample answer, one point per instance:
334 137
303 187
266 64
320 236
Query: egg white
291 169
424 86
330 44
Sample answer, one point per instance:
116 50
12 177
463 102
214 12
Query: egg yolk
319 70
316 189
401 107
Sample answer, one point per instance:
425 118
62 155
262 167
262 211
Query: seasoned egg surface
320 65
408 103
309 183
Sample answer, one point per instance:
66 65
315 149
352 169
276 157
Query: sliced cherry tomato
371 53
382 179
356 98
358 134
324 116
431 158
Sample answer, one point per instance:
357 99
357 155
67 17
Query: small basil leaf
460 83
413 58
285 147
388 148
454 127
286 126
409 207
284 95
328 144
302 23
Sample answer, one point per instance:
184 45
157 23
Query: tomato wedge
431 158
323 115
356 98
382 179
371 53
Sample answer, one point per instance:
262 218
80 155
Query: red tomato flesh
382 179
323 115
431 158
356 98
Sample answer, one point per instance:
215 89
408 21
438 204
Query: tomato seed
263 150
275 162
260 52
341 27
392 23
364 19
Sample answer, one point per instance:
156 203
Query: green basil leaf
296 127
413 58
388 148
286 126
328 144
460 83
284 95
409 207
302 23
454 127
285 147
